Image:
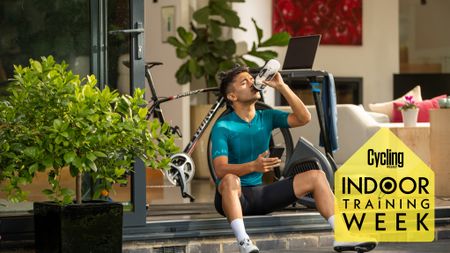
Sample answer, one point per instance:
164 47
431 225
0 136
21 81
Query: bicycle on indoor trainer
182 167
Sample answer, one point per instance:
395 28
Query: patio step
267 242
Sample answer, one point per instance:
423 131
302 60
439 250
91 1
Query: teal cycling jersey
243 141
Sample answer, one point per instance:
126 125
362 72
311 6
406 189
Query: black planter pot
90 227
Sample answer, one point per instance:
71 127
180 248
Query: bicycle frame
156 111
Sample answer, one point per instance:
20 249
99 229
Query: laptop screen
301 52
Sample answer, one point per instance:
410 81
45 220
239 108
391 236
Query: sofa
355 126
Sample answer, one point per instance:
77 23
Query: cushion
424 109
379 117
386 107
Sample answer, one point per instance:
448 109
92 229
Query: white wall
425 32
176 112
376 60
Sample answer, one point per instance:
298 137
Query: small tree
54 121
206 52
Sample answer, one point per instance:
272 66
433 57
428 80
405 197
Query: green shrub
53 121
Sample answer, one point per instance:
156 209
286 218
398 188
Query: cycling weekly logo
384 192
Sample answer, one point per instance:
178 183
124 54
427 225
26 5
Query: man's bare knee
309 179
313 175
229 182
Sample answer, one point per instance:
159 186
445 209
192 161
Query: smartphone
276 152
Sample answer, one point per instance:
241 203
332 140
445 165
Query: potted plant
206 51
52 122
409 111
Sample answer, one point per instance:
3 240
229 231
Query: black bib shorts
263 199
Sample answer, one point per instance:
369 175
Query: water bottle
267 72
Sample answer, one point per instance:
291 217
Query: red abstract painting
339 21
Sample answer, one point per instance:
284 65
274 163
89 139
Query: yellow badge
384 192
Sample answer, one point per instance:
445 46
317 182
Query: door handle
139 32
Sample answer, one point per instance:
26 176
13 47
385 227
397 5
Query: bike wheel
281 137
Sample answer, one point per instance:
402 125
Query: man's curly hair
227 77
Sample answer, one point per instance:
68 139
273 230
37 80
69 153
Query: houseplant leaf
185 35
202 15
183 75
216 29
265 55
279 39
175 42
259 31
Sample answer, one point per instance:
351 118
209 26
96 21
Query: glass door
118 62
32 29
92 36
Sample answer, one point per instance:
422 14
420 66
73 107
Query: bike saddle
151 64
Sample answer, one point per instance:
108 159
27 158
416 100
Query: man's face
243 90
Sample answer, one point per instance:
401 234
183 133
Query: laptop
301 52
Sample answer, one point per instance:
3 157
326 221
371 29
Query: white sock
331 221
238 228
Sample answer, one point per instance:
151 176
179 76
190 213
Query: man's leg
230 190
315 182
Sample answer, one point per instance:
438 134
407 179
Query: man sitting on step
240 141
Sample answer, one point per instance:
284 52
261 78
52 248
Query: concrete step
267 242
274 243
